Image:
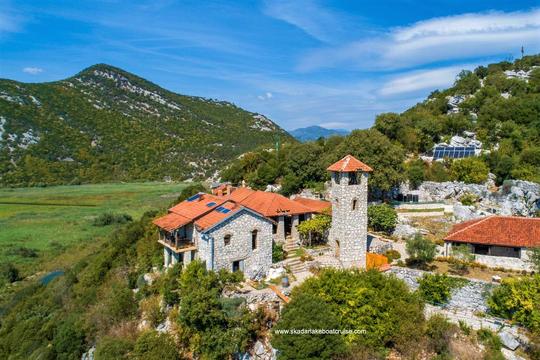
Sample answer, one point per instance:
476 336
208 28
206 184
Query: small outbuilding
497 241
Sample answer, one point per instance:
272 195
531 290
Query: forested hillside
105 124
499 103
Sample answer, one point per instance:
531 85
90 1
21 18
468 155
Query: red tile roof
215 216
203 210
171 221
197 207
348 164
268 203
317 206
498 230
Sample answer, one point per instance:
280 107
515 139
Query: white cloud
266 96
306 15
32 70
438 39
423 80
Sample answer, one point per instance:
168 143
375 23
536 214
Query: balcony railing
178 244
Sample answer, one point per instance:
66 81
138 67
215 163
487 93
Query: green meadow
40 223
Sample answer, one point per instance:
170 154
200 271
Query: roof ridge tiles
474 222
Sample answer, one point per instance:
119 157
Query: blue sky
329 63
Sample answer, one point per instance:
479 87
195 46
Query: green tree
68 342
534 258
189 191
415 173
307 312
383 306
382 217
461 259
466 83
518 299
421 251
8 273
377 151
315 228
469 170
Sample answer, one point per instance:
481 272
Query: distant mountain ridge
106 124
315 132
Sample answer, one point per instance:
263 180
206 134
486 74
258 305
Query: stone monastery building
234 228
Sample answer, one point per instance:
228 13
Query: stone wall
349 226
240 226
504 262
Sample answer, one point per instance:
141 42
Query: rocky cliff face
515 197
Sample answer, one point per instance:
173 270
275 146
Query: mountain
314 132
105 124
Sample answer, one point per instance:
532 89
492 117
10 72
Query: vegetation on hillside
105 124
503 112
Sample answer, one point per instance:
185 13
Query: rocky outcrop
515 197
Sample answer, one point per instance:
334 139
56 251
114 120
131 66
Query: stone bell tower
348 234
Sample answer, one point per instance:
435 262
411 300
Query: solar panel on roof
194 197
222 210
210 204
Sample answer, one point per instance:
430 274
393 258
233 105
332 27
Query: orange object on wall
375 261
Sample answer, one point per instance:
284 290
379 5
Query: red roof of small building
349 164
268 203
192 209
171 221
316 206
498 230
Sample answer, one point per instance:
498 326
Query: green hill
105 124
498 104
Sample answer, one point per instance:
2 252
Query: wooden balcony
178 245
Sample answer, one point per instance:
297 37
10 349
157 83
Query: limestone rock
508 340
405 231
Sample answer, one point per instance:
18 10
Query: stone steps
295 265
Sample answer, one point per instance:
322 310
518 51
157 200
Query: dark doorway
288 225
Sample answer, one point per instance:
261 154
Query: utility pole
522 51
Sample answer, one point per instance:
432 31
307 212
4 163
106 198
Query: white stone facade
252 261
497 258
348 234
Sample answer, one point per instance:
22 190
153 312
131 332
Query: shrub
492 344
277 252
307 311
461 259
436 288
468 199
151 310
22 251
152 345
439 332
110 219
110 348
421 251
8 273
382 217
534 258
518 299
392 255
68 342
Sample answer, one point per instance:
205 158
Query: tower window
354 204
353 178
254 239
227 239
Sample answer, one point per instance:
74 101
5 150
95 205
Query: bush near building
382 217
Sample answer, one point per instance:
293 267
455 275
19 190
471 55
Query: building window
227 239
354 204
254 239
353 179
